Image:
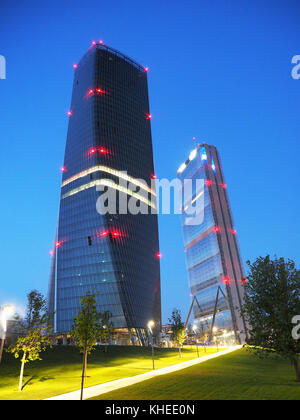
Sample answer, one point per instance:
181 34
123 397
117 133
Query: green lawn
60 370
238 376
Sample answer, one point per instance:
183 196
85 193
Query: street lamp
150 325
195 329
5 313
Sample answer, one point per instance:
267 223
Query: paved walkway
93 391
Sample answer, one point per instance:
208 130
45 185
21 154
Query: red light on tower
63 169
115 234
233 231
153 176
98 90
94 43
226 279
146 69
208 182
101 42
105 233
158 255
58 244
92 151
224 186
148 116
217 229
75 66
244 280
102 150
69 113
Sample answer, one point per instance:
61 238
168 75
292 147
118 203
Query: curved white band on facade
110 171
111 184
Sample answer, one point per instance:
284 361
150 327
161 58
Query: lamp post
150 325
195 329
215 329
6 311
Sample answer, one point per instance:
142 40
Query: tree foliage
86 330
35 332
272 300
178 331
106 327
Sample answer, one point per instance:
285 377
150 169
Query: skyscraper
215 269
113 255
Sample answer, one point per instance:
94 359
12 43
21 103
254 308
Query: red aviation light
102 150
146 68
153 176
217 229
158 255
244 280
93 43
63 169
226 279
58 244
208 182
91 92
148 116
70 113
224 186
115 234
98 90
105 233
75 66
233 231
101 42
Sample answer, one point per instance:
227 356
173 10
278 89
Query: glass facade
111 255
212 254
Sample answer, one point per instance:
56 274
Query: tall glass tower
109 144
216 275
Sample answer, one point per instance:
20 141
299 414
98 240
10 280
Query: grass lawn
60 370
238 376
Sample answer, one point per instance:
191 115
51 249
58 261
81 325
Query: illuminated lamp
94 43
58 244
63 169
158 255
75 66
146 69
101 42
98 90
208 182
105 233
244 280
153 176
70 113
224 186
148 116
233 231
102 150
217 229
116 234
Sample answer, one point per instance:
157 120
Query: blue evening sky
220 70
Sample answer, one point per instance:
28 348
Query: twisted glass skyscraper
216 274
113 255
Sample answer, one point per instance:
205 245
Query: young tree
35 331
271 302
178 331
106 327
86 330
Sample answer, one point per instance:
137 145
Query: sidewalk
93 391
